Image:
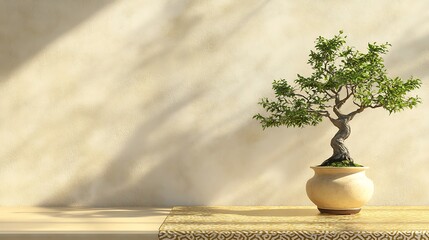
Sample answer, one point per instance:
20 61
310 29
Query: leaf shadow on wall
183 25
177 169
29 26
190 165
406 135
410 57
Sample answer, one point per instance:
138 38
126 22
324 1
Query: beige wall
150 102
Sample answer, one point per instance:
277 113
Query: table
240 222
118 223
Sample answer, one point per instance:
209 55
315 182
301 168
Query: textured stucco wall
150 102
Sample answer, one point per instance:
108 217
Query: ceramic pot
339 190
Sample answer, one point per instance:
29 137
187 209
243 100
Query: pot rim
337 170
330 167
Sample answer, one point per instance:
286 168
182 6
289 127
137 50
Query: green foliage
340 73
289 109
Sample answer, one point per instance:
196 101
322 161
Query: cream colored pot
339 190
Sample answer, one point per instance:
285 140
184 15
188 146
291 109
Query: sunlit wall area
150 103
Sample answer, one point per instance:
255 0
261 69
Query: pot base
339 212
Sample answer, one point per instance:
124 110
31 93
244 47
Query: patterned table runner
238 222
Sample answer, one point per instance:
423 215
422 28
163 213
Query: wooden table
294 223
35 223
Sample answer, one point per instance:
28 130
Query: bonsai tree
341 74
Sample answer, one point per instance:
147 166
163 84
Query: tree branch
300 95
337 99
339 90
334 121
325 67
341 102
320 112
327 93
326 106
357 104
375 106
351 115
337 112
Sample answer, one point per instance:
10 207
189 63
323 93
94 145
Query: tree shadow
28 26
245 211
192 165
195 174
123 212
115 175
181 25
410 58
182 28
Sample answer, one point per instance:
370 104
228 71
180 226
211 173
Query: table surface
308 219
187 222
83 223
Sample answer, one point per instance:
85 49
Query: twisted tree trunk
337 143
